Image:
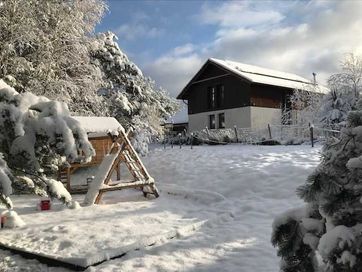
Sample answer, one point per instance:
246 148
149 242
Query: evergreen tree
49 48
331 223
334 109
134 100
44 49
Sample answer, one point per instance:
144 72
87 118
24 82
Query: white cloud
136 30
302 48
139 27
173 70
183 49
237 13
295 37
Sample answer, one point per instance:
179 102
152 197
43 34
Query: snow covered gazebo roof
98 126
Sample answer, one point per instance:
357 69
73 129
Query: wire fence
272 134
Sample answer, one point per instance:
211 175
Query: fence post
192 139
208 133
311 135
236 134
269 130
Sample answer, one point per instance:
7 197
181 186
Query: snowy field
213 233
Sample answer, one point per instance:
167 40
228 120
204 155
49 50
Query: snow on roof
98 124
267 76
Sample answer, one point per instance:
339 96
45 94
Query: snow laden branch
44 49
133 99
330 111
38 135
345 88
331 225
304 106
335 107
50 48
296 234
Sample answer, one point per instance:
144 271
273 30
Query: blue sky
148 29
170 40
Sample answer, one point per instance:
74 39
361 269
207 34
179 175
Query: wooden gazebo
113 147
98 129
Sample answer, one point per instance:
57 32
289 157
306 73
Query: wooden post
68 179
269 130
192 139
164 141
236 133
311 135
208 133
118 169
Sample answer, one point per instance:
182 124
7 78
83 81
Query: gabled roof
255 74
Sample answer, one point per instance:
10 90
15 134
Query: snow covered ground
232 233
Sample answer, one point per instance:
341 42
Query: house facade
224 94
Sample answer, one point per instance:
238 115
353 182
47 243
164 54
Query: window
211 97
212 121
220 95
215 96
221 120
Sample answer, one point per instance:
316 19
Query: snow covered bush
350 77
134 100
6 179
334 109
13 220
331 223
44 49
304 106
38 135
345 89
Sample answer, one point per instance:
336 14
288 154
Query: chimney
314 78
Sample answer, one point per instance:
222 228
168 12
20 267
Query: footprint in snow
50 238
64 244
59 228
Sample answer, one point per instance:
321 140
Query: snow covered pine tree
133 98
37 136
330 226
334 108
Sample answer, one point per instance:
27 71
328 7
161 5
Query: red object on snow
44 205
3 219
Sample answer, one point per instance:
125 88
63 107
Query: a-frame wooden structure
121 151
